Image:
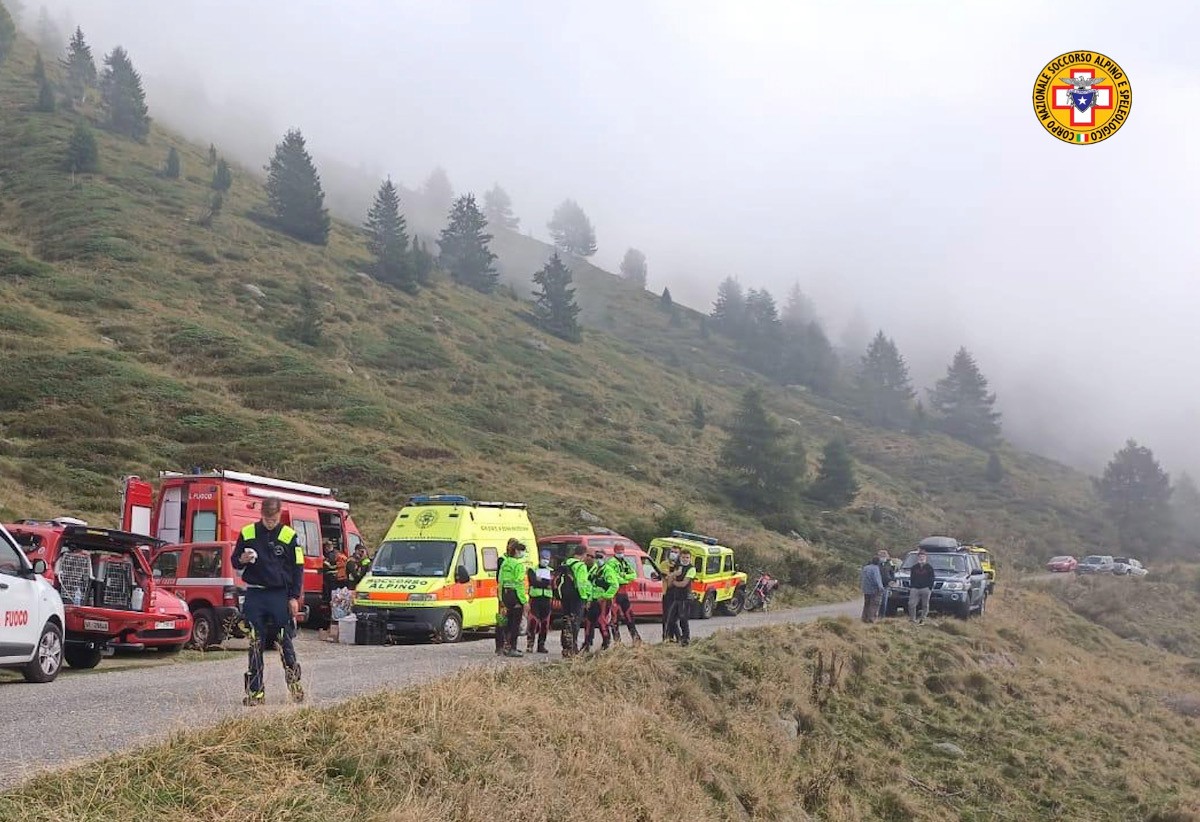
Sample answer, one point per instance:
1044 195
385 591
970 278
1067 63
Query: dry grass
1049 729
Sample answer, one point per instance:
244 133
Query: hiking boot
541 648
256 700
513 652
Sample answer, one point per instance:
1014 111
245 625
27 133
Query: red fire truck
214 506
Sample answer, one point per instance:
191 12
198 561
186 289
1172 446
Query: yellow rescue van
435 572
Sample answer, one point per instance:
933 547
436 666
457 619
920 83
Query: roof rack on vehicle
54 521
253 479
696 537
482 504
439 499
605 531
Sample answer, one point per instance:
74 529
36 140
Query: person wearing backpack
541 594
622 609
573 589
606 579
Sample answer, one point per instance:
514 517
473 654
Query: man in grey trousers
920 581
872 589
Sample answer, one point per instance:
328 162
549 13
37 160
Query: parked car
1095 564
1128 566
31 616
960 584
109 596
1062 565
203 576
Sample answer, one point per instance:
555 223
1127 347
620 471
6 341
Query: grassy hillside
1038 715
132 342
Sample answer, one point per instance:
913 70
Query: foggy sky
885 155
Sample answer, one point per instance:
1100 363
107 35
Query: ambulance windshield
413 558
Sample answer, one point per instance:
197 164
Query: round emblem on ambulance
1082 97
426 518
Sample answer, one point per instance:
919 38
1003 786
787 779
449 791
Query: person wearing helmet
541 594
512 594
606 580
574 590
622 609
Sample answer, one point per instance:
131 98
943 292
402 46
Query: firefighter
622 609
271 560
513 594
541 595
358 566
681 583
329 571
574 590
605 580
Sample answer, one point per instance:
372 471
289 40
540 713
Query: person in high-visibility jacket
513 594
622 609
269 555
606 580
541 595
573 588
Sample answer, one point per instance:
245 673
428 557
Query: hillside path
82 716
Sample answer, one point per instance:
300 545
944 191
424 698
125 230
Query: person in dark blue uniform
271 560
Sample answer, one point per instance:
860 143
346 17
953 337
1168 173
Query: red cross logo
1063 101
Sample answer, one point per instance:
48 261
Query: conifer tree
310 325
963 404
1136 494
8 32
437 192
799 310
123 96
173 168
464 246
294 191
212 155
920 420
1185 512
699 415
883 384
387 239
39 67
80 66
497 207
222 179
665 302
633 268
83 155
761 338
763 465
46 101
729 311
213 211
835 483
994 472
554 300
421 262
572 230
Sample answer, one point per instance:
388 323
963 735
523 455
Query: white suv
31 615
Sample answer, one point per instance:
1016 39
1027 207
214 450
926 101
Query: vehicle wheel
709 605
82 657
963 611
48 659
736 603
452 628
204 629
752 602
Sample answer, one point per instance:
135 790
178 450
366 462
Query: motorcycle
764 589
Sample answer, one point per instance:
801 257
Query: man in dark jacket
271 560
920 588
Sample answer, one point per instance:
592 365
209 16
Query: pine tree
464 245
437 192
808 358
554 300
173 167
421 263
222 179
123 97
8 32
963 404
799 311
699 415
729 311
387 239
994 472
39 67
294 191
215 204
835 483
920 420
80 66
763 465
761 336
83 155
46 100
212 155
572 230
1136 494
497 207
665 302
884 386
633 268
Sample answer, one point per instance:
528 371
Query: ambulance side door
487 590
468 558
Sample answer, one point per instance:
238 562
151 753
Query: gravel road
83 716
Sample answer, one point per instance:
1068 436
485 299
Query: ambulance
718 587
214 506
435 572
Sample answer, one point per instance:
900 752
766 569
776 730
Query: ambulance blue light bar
696 537
439 499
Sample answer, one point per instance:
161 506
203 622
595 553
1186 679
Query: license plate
159 626
95 625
